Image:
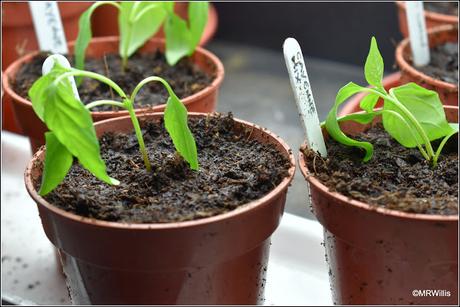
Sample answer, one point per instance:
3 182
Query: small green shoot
411 114
140 20
72 133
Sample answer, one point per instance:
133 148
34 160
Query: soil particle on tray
234 170
442 7
185 78
396 177
443 63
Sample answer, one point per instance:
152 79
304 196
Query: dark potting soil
443 63
185 78
442 7
396 177
234 170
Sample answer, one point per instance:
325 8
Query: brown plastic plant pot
352 106
448 92
380 256
18 38
432 19
203 101
216 260
105 21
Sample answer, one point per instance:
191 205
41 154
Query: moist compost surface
396 177
234 170
185 78
443 63
447 8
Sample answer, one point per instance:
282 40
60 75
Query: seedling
72 133
411 114
138 21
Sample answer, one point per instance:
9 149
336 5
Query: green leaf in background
198 18
425 106
58 161
178 39
368 102
373 68
72 125
175 119
37 92
332 124
138 21
85 34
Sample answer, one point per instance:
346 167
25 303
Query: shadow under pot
378 253
203 69
434 16
441 74
217 259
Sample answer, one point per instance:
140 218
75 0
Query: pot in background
448 92
380 256
202 101
18 39
432 19
215 260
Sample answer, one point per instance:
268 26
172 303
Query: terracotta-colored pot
105 21
448 92
216 260
382 256
203 101
432 19
352 106
18 38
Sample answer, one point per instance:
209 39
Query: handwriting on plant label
302 84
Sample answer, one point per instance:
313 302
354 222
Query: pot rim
405 66
362 205
432 15
13 68
284 184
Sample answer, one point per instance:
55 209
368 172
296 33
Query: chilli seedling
72 133
139 20
411 114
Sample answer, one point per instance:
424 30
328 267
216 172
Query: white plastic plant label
49 63
48 26
303 95
417 33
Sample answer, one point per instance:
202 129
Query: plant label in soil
48 26
303 95
62 60
417 33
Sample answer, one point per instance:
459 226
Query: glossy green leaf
178 39
368 102
362 118
198 18
373 68
58 161
73 127
175 119
332 124
138 21
427 109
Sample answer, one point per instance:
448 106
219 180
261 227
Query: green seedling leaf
178 39
427 109
332 124
58 161
198 18
138 21
175 119
373 68
85 34
73 127
368 103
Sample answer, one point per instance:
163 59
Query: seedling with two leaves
72 133
140 20
412 115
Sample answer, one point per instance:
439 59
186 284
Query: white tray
297 271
